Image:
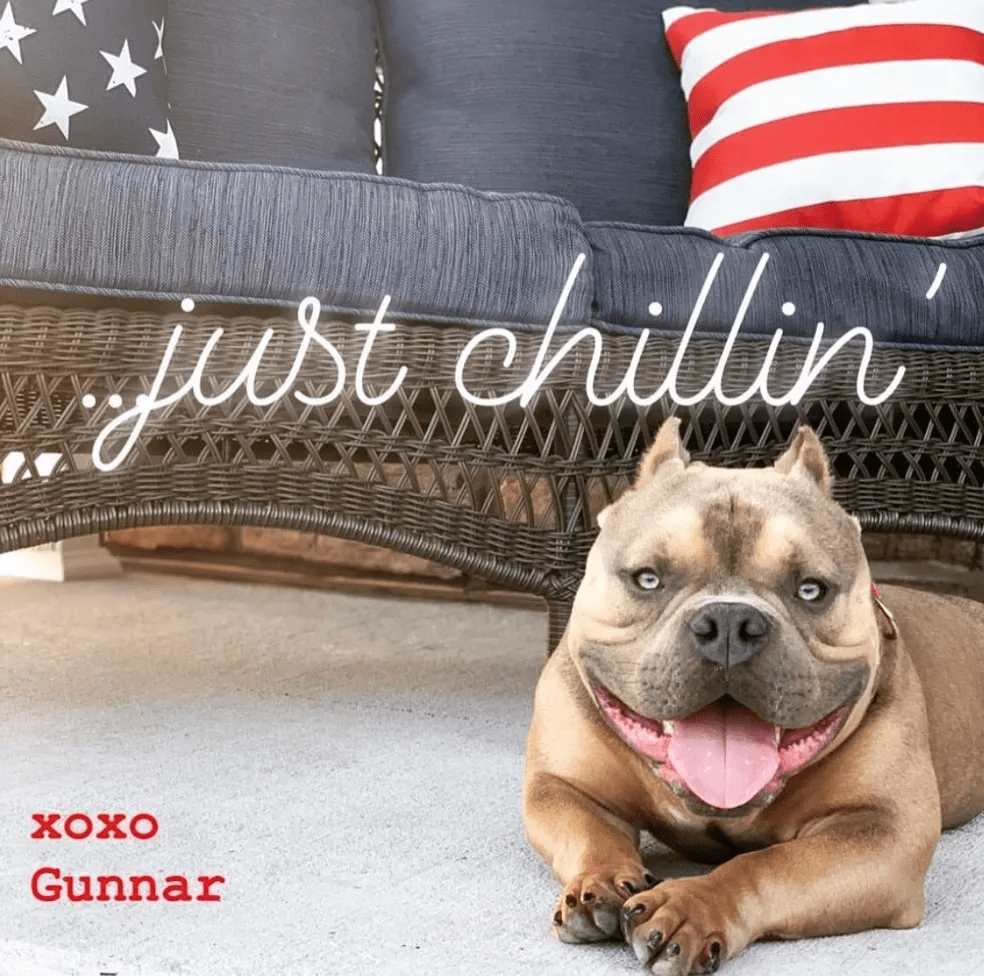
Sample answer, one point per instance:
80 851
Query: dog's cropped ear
805 458
665 448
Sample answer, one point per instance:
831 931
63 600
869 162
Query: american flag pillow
866 118
85 73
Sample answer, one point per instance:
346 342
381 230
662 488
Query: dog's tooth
669 727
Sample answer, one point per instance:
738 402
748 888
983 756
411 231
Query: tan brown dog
729 683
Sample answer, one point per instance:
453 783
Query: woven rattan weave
505 493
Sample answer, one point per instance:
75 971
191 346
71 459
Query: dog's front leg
593 853
851 871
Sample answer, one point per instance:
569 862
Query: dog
731 682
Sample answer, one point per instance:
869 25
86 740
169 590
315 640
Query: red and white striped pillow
865 118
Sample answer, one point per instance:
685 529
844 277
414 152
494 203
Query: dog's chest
707 840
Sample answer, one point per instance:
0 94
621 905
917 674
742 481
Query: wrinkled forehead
731 520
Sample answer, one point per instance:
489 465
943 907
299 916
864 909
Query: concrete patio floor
349 765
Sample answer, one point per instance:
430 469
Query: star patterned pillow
85 73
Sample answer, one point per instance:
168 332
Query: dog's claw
649 950
709 959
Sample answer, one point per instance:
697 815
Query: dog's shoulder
944 638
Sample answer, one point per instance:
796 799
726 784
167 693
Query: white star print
168 145
159 53
11 33
125 72
58 108
74 5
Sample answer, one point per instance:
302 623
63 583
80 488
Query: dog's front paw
675 929
590 906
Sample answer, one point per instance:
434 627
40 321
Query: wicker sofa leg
558 613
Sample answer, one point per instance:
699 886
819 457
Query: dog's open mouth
724 754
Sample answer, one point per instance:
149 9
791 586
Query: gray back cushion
579 98
286 82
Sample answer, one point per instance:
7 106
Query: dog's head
725 627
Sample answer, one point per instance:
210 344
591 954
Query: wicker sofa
458 388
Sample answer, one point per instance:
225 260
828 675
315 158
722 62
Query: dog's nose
729 633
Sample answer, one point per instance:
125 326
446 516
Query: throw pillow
85 74
287 83
867 118
576 98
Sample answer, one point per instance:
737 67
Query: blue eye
646 579
811 590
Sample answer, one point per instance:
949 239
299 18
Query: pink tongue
724 754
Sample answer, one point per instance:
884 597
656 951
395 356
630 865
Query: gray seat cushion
125 226
840 278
